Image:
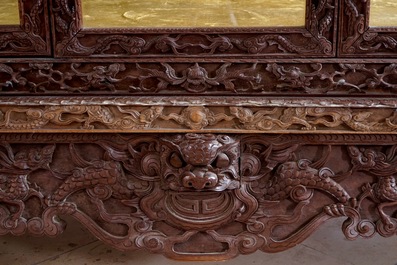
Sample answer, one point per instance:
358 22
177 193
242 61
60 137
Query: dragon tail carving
292 174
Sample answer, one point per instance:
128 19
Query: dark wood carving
316 38
358 38
171 193
311 77
199 144
31 37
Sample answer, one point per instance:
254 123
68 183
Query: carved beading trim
133 191
99 118
273 78
32 35
357 37
315 39
238 101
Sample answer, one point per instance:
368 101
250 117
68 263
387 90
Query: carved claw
335 210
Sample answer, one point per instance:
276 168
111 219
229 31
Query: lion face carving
200 162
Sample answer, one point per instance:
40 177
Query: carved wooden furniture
198 143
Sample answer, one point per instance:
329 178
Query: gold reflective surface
193 13
383 13
9 14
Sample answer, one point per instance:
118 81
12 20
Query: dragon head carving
198 162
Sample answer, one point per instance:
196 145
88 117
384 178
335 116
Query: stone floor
325 247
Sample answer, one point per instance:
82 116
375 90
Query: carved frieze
168 193
358 38
312 77
133 118
316 38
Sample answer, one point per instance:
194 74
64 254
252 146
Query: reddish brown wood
358 39
218 142
166 193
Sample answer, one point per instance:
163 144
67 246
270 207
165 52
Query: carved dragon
291 174
100 178
384 190
15 188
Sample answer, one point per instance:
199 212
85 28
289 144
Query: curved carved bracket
198 196
357 37
315 39
32 37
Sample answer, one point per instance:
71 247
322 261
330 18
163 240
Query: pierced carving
195 79
199 78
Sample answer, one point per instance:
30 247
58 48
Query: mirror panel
196 14
383 13
9 13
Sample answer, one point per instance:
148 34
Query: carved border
32 37
199 118
315 39
270 78
211 101
358 38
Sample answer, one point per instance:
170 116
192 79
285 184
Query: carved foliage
72 40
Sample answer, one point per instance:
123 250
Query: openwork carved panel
171 193
272 78
315 39
32 36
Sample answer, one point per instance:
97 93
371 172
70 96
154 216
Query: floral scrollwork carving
196 78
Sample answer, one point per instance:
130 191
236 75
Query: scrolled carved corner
171 193
358 37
